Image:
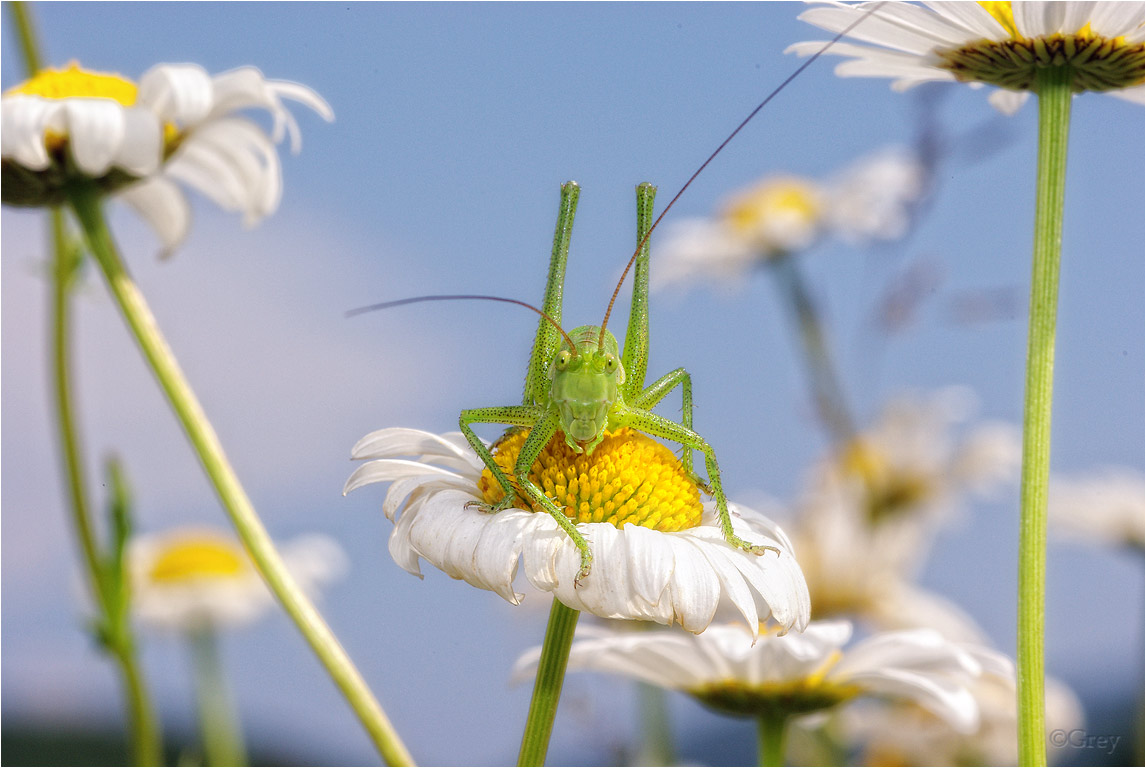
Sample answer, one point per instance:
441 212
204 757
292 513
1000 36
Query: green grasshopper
582 383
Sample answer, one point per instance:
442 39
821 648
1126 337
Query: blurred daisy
869 512
993 43
910 464
1106 507
782 215
659 554
796 674
903 733
178 124
190 578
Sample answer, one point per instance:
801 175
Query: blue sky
455 124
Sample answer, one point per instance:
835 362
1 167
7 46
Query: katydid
583 383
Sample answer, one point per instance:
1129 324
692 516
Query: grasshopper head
586 382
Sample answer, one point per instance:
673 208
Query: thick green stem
86 203
547 685
831 405
771 729
1054 93
218 718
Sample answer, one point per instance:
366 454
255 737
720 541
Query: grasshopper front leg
514 415
660 389
667 429
539 437
543 425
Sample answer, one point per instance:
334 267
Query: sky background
455 125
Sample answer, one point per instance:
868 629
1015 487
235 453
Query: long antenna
464 297
723 144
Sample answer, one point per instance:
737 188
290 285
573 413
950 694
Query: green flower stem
143 725
218 718
27 32
1054 93
85 201
656 746
547 685
831 405
771 729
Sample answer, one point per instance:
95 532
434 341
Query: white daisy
188 578
1107 506
902 733
994 43
869 512
727 669
781 215
178 124
658 553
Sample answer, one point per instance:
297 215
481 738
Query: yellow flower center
788 203
1097 63
890 490
76 83
198 557
628 478
810 693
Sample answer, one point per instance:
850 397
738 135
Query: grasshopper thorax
586 380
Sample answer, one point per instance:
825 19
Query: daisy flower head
658 551
193 577
903 733
177 125
783 215
1000 44
1107 506
786 675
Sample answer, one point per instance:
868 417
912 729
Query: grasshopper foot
489 509
754 549
586 565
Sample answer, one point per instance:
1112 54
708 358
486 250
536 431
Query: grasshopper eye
562 359
611 363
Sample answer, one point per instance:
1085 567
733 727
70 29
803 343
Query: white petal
694 588
96 129
22 125
1036 18
163 206
1076 16
386 470
1007 102
1115 19
179 93
1134 94
899 26
397 441
972 17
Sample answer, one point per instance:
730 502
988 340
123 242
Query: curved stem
1054 92
29 50
771 730
831 404
218 718
547 685
86 203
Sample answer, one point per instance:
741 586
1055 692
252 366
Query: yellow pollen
789 198
198 557
629 478
76 82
